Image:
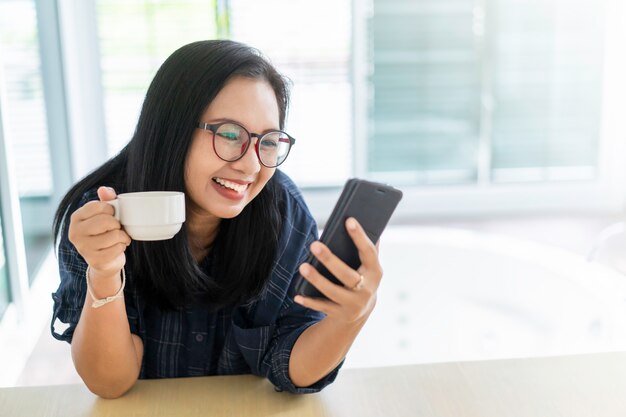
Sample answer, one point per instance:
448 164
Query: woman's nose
249 162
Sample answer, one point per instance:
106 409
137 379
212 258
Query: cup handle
116 206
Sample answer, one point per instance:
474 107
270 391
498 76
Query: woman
218 297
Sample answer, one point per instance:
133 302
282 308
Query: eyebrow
222 120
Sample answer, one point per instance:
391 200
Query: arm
105 353
321 347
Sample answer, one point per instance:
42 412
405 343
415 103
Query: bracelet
97 303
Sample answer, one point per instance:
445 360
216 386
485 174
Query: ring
359 285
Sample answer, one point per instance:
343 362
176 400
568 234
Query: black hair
154 159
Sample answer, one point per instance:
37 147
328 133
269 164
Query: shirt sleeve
69 298
267 349
295 320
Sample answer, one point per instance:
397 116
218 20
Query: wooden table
586 386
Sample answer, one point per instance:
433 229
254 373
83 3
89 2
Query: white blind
4 275
135 38
309 42
25 115
546 80
426 90
508 87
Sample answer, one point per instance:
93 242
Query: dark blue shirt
254 337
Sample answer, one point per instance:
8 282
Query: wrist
97 274
346 326
104 288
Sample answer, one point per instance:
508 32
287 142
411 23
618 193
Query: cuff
280 364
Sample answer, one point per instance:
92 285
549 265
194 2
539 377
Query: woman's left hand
354 301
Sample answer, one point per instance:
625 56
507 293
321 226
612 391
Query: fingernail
305 269
351 223
298 299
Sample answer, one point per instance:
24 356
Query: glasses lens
274 148
231 141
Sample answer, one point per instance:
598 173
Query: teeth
232 185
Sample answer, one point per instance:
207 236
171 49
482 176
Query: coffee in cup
150 215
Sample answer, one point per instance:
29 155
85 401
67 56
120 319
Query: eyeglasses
231 142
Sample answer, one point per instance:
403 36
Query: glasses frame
214 127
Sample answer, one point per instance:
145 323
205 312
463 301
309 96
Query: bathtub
452 295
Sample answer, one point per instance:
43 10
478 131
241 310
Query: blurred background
501 120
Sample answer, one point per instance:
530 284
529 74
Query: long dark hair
154 159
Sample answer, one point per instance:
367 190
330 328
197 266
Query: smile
240 188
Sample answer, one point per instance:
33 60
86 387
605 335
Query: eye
231 133
269 143
231 136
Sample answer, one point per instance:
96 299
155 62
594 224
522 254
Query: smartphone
372 205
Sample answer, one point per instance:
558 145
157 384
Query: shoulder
298 227
293 207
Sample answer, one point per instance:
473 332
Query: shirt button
199 338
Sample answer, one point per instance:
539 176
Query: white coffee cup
150 215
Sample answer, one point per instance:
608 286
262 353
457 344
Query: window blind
309 42
425 90
547 79
507 87
135 37
25 115
5 296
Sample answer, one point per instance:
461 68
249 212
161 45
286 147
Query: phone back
372 204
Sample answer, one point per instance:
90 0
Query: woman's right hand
106 354
98 236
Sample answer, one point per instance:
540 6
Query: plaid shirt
255 337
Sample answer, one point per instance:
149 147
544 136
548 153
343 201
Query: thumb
106 193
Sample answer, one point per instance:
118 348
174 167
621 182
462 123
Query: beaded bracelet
97 303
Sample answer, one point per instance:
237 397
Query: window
26 124
25 115
546 85
310 43
135 38
5 297
485 92
423 117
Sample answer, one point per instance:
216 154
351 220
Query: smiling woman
218 297
241 180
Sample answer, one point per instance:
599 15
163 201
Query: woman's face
219 188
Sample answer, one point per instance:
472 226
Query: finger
108 239
91 209
367 250
109 258
95 247
348 276
98 224
111 253
332 291
327 307
106 193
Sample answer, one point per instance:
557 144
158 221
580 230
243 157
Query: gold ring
359 285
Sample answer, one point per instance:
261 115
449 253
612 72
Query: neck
201 233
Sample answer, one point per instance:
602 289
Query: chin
228 213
